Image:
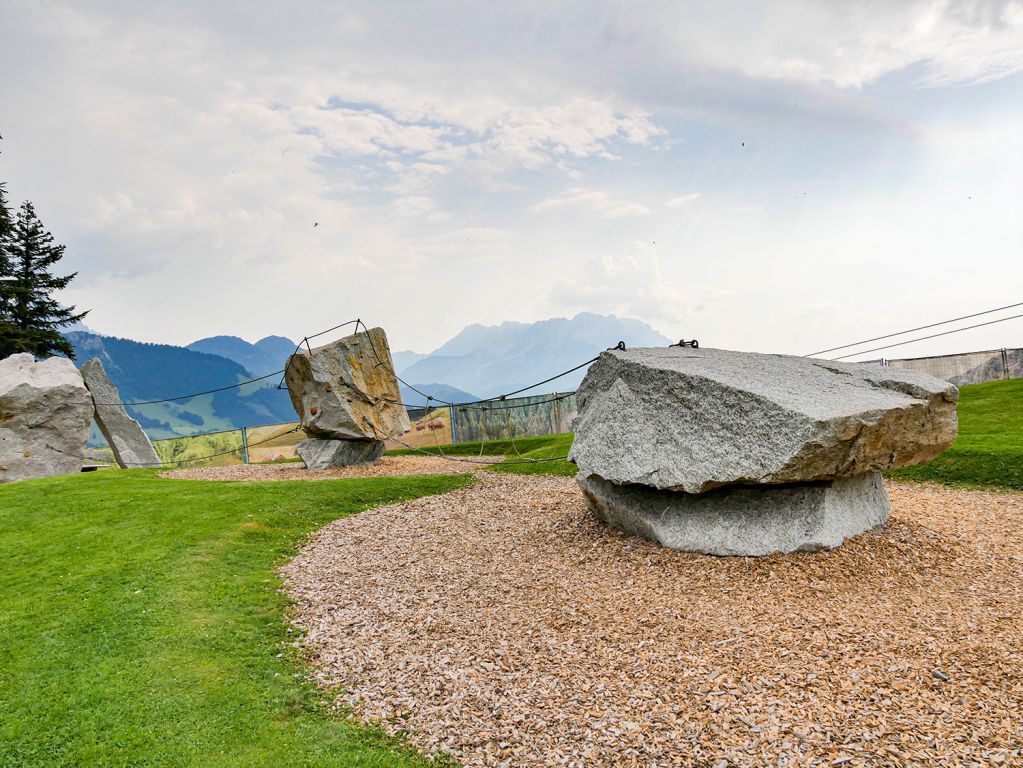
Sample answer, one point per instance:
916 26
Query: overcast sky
771 177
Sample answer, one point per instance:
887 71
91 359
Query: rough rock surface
45 412
130 445
327 454
744 520
733 453
695 419
347 390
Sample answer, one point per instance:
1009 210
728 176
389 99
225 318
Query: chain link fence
248 445
967 367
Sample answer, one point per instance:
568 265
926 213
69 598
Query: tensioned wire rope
919 328
924 338
229 386
481 405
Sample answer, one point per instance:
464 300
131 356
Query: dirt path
505 625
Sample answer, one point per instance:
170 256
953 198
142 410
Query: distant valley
479 362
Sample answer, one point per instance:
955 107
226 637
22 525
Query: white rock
130 445
45 412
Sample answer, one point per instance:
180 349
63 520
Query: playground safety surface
505 625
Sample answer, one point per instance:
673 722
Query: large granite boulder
45 412
347 390
776 434
130 445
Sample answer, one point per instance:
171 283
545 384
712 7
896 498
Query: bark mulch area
385 465
505 625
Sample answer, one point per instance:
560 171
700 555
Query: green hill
156 371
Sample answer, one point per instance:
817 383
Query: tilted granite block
130 445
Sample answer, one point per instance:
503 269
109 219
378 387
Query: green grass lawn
988 453
141 623
516 454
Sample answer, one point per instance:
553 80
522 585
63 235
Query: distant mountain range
481 361
495 359
265 356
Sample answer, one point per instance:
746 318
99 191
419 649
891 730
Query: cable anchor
683 343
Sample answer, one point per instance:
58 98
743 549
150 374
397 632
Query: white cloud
846 44
680 200
185 151
596 200
632 283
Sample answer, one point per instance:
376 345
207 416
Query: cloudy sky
772 177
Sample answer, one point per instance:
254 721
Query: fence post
245 446
1005 364
451 420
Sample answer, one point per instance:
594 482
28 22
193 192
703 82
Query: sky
772 177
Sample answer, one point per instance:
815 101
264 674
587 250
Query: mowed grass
517 454
988 452
141 623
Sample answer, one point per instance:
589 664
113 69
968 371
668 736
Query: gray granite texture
130 445
347 390
324 454
744 520
45 412
692 420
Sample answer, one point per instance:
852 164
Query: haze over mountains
481 361
492 360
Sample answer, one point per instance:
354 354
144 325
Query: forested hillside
144 371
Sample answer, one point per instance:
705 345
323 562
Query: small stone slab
131 446
325 454
45 411
744 520
348 390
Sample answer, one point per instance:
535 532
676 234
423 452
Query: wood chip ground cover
384 466
504 625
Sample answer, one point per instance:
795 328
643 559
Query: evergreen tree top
30 318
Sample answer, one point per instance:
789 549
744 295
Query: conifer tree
30 318
6 229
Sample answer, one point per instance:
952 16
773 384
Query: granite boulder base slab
45 412
785 449
744 520
325 454
130 445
